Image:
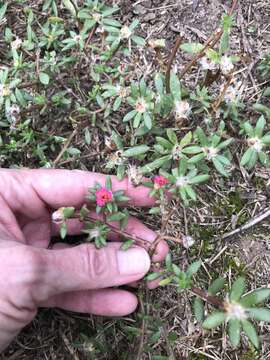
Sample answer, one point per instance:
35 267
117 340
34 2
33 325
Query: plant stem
170 61
213 300
211 42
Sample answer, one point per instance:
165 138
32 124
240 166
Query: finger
135 284
134 228
69 188
107 302
84 267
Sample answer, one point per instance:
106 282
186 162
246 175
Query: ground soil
56 334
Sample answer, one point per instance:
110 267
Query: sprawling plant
147 123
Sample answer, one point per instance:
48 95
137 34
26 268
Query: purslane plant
154 117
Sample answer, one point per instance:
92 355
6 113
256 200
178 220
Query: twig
220 98
213 300
141 343
65 146
211 42
249 224
170 61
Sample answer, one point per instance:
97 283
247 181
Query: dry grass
60 335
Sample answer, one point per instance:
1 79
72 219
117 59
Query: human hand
74 278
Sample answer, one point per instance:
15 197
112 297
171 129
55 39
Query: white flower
177 152
210 152
94 233
125 32
226 65
207 64
14 110
141 106
16 44
187 241
121 91
77 38
134 175
96 17
4 90
58 216
182 109
181 181
235 311
256 143
233 93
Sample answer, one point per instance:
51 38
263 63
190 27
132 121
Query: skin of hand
79 278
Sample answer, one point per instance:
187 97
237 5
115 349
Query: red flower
159 182
103 196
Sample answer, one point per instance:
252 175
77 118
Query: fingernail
133 261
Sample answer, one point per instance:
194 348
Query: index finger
59 188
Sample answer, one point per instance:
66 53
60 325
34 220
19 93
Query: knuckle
96 262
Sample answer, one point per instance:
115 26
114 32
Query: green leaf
108 183
191 193
224 144
262 109
251 333
147 120
44 78
159 83
175 87
260 126
224 42
234 329
246 157
153 276
264 159
68 212
154 210
192 150
156 164
138 40
164 143
117 103
253 159
216 286
168 261
3 10
136 150
219 167
172 136
186 139
198 309
214 320
196 158
199 179
255 297
165 281
129 115
63 230
70 7
87 136
238 288
266 139
248 129
127 244
200 134
192 48
194 268
115 217
261 314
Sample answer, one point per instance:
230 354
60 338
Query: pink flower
103 196
159 182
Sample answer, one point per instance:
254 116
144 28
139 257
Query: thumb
84 267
